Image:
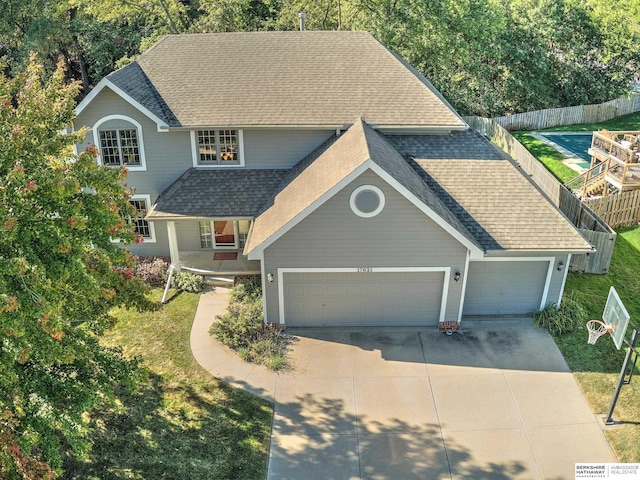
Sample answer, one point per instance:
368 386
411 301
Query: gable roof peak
315 180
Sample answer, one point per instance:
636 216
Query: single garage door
505 288
362 299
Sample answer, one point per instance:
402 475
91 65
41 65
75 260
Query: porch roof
218 193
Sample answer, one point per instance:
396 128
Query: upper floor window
217 148
120 146
119 141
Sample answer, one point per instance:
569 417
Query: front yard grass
183 423
596 367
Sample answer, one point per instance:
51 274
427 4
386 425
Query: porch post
173 245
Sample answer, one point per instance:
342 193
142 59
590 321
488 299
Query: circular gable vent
367 201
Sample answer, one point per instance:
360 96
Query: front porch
206 262
220 253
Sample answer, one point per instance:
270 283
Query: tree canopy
60 274
488 57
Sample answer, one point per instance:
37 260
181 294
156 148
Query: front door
224 234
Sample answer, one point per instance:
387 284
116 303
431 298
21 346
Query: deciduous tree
60 274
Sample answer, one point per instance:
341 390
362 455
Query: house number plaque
365 269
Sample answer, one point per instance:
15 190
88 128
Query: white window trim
354 195
445 283
210 233
236 235
152 229
106 83
96 140
195 153
564 281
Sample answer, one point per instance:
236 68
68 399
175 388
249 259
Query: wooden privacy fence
553 117
619 210
594 229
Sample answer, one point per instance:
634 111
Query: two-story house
332 168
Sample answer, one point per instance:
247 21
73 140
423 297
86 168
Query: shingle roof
462 177
355 147
488 193
135 82
282 78
218 193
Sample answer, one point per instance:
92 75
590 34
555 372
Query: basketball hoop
596 330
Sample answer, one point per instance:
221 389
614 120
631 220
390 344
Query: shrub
187 282
242 328
241 325
151 270
571 316
247 290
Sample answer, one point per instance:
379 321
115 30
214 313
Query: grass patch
183 423
597 367
242 328
548 156
623 123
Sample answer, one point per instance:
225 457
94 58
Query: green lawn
183 423
550 158
597 367
624 123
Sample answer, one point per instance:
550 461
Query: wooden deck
615 165
203 262
623 146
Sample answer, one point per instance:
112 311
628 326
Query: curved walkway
218 359
496 401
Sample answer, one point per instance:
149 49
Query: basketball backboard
617 316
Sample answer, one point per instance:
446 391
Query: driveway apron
494 401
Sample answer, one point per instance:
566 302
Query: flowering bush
151 270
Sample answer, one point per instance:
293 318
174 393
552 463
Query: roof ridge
325 75
407 176
155 45
420 78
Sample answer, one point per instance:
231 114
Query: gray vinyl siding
333 236
188 234
168 154
278 148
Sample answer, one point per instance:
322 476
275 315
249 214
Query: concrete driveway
495 401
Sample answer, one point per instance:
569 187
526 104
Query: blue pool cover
577 144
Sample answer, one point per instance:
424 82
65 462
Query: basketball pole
623 373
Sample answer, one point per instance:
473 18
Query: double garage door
505 288
362 299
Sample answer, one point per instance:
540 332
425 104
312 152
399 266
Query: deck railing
580 184
609 144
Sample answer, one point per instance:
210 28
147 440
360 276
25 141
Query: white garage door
362 299
505 288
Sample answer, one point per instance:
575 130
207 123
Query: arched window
119 142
